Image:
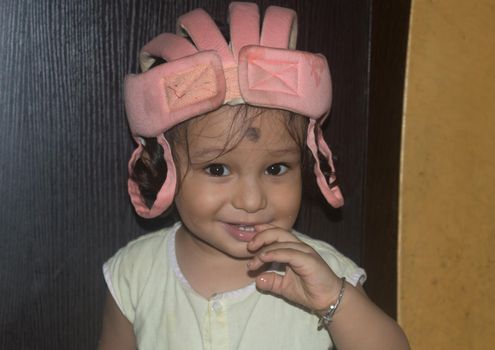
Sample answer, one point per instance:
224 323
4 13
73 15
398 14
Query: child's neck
207 273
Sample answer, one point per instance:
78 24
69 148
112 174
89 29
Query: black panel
390 26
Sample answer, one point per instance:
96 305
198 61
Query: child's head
232 124
182 99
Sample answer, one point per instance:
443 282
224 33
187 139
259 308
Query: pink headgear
198 78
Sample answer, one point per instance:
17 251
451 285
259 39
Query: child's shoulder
340 264
151 240
146 247
134 264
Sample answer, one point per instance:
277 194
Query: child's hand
308 280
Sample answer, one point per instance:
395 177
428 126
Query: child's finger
264 227
296 255
269 234
270 282
261 258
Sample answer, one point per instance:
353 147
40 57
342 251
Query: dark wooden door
65 144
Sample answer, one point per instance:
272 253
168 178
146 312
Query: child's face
222 196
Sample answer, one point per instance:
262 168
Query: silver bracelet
327 317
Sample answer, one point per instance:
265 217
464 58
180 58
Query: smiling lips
241 232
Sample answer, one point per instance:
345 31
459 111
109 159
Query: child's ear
142 141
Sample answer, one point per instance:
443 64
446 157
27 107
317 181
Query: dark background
65 146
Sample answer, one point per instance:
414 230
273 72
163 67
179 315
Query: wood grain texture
390 24
342 35
65 147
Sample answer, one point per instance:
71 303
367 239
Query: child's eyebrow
211 152
284 151
214 152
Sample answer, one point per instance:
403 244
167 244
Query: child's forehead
228 122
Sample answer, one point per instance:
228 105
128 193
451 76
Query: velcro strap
167 46
244 19
279 28
203 31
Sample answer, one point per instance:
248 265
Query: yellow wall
447 198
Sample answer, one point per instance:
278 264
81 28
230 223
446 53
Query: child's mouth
246 228
241 232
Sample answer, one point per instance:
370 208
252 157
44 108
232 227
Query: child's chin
240 254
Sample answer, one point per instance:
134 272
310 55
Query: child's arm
117 332
308 281
360 324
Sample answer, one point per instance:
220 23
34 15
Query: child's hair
150 170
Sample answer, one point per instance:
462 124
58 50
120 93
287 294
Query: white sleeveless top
145 280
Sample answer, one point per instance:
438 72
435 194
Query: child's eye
217 170
276 169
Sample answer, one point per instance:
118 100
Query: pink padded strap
287 79
244 19
167 46
205 34
178 90
331 192
279 28
166 194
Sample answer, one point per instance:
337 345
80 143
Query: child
225 132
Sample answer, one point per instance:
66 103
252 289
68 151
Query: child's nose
249 195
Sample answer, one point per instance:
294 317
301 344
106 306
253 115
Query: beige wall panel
447 199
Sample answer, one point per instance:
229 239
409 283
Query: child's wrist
326 315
